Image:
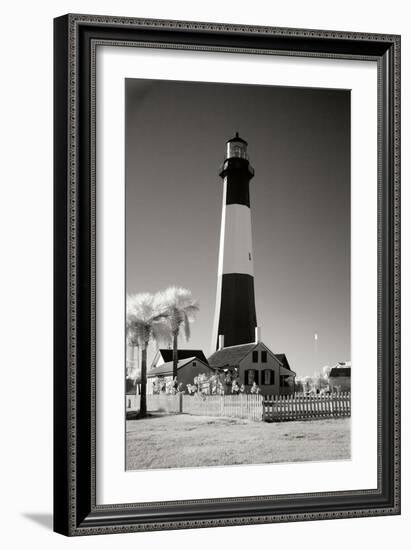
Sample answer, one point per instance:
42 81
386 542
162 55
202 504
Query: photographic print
237 274
227 230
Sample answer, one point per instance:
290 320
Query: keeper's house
255 362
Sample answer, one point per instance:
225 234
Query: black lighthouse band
237 310
238 173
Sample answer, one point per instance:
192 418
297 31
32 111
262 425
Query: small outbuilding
187 369
339 379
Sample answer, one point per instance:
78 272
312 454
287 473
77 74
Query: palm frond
161 315
186 324
140 316
162 333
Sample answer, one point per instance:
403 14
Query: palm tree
132 341
143 323
178 308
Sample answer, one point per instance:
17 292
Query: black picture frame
75 40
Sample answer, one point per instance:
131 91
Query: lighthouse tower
235 317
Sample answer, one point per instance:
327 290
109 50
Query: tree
178 307
143 323
132 341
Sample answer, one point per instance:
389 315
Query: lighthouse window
255 356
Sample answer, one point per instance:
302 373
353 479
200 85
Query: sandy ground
182 440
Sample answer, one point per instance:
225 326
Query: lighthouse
235 317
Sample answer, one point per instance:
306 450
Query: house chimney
220 341
258 334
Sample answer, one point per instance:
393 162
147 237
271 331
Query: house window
251 376
255 356
268 377
194 363
263 356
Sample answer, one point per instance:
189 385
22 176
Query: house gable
260 346
232 356
158 360
260 366
188 370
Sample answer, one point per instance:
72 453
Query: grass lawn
182 440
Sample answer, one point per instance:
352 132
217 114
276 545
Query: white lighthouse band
236 254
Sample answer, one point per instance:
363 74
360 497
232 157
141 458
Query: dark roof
237 138
282 357
340 371
167 354
232 355
167 368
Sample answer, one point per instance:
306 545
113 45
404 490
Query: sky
299 145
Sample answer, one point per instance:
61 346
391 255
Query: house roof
286 372
232 355
282 357
335 372
167 368
167 354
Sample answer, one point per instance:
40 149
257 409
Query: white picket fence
272 408
161 402
277 408
236 406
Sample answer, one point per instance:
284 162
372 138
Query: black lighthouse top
237 138
237 171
